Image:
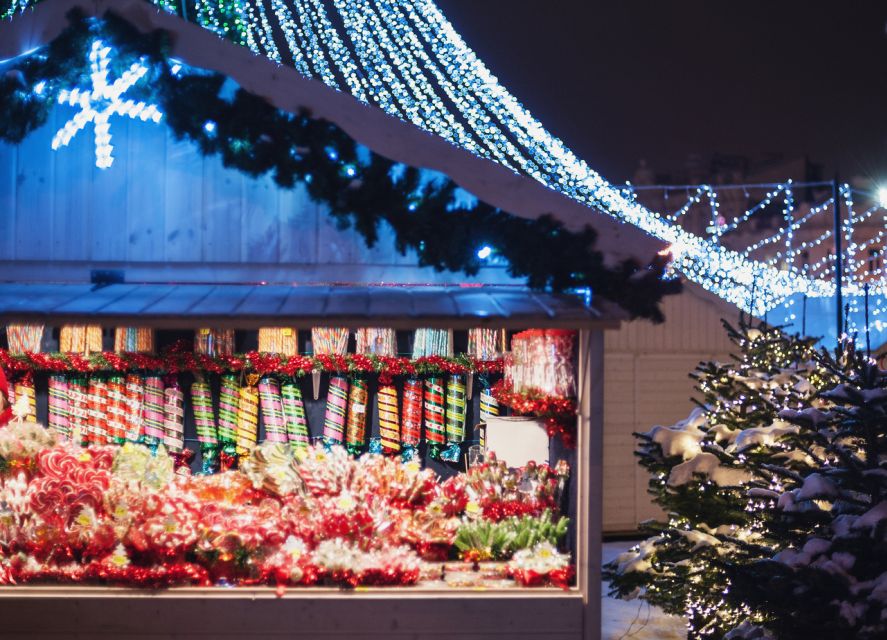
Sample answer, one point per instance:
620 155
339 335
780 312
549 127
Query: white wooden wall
647 383
163 203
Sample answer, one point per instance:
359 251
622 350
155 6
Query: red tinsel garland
558 413
558 578
179 360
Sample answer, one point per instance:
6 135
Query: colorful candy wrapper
389 419
205 421
294 415
135 398
59 406
456 410
173 416
355 434
116 409
80 339
330 341
411 426
281 340
489 407
336 406
153 412
25 387
248 417
98 422
229 399
435 410
134 340
78 405
24 338
272 410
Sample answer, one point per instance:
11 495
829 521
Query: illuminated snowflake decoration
101 102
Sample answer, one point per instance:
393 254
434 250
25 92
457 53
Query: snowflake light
102 101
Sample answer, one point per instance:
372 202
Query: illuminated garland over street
360 188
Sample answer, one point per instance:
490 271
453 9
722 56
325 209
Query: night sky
629 79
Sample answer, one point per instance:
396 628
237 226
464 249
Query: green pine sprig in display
484 540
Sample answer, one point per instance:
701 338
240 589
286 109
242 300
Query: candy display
411 423
294 415
455 419
229 399
355 432
115 408
280 340
320 518
97 429
84 339
24 388
329 341
59 406
336 410
214 342
247 417
486 344
173 416
134 339
205 422
23 338
432 342
435 410
376 341
78 406
272 410
389 418
489 407
135 398
153 411
541 361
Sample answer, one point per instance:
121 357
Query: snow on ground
635 619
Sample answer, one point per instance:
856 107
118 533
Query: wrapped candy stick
229 399
411 426
116 409
59 406
248 417
434 416
173 416
272 410
294 414
336 405
153 411
389 420
355 435
135 398
24 387
22 338
98 422
205 421
78 404
489 406
455 419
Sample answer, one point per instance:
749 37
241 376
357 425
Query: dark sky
628 79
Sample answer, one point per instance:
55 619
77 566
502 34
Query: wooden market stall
172 239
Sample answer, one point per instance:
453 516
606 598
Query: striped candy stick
153 413
294 414
116 409
78 405
355 434
59 406
435 410
229 399
135 399
489 406
272 410
336 406
456 411
411 425
24 387
248 417
98 419
205 421
173 416
389 420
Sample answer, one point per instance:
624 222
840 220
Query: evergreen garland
359 187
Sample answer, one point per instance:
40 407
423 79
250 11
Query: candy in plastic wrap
435 410
355 435
389 419
455 419
336 409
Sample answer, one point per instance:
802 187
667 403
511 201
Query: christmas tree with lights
715 474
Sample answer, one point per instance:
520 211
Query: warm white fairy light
102 101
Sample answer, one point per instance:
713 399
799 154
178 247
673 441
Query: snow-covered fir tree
715 474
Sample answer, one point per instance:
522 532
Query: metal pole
839 259
868 340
